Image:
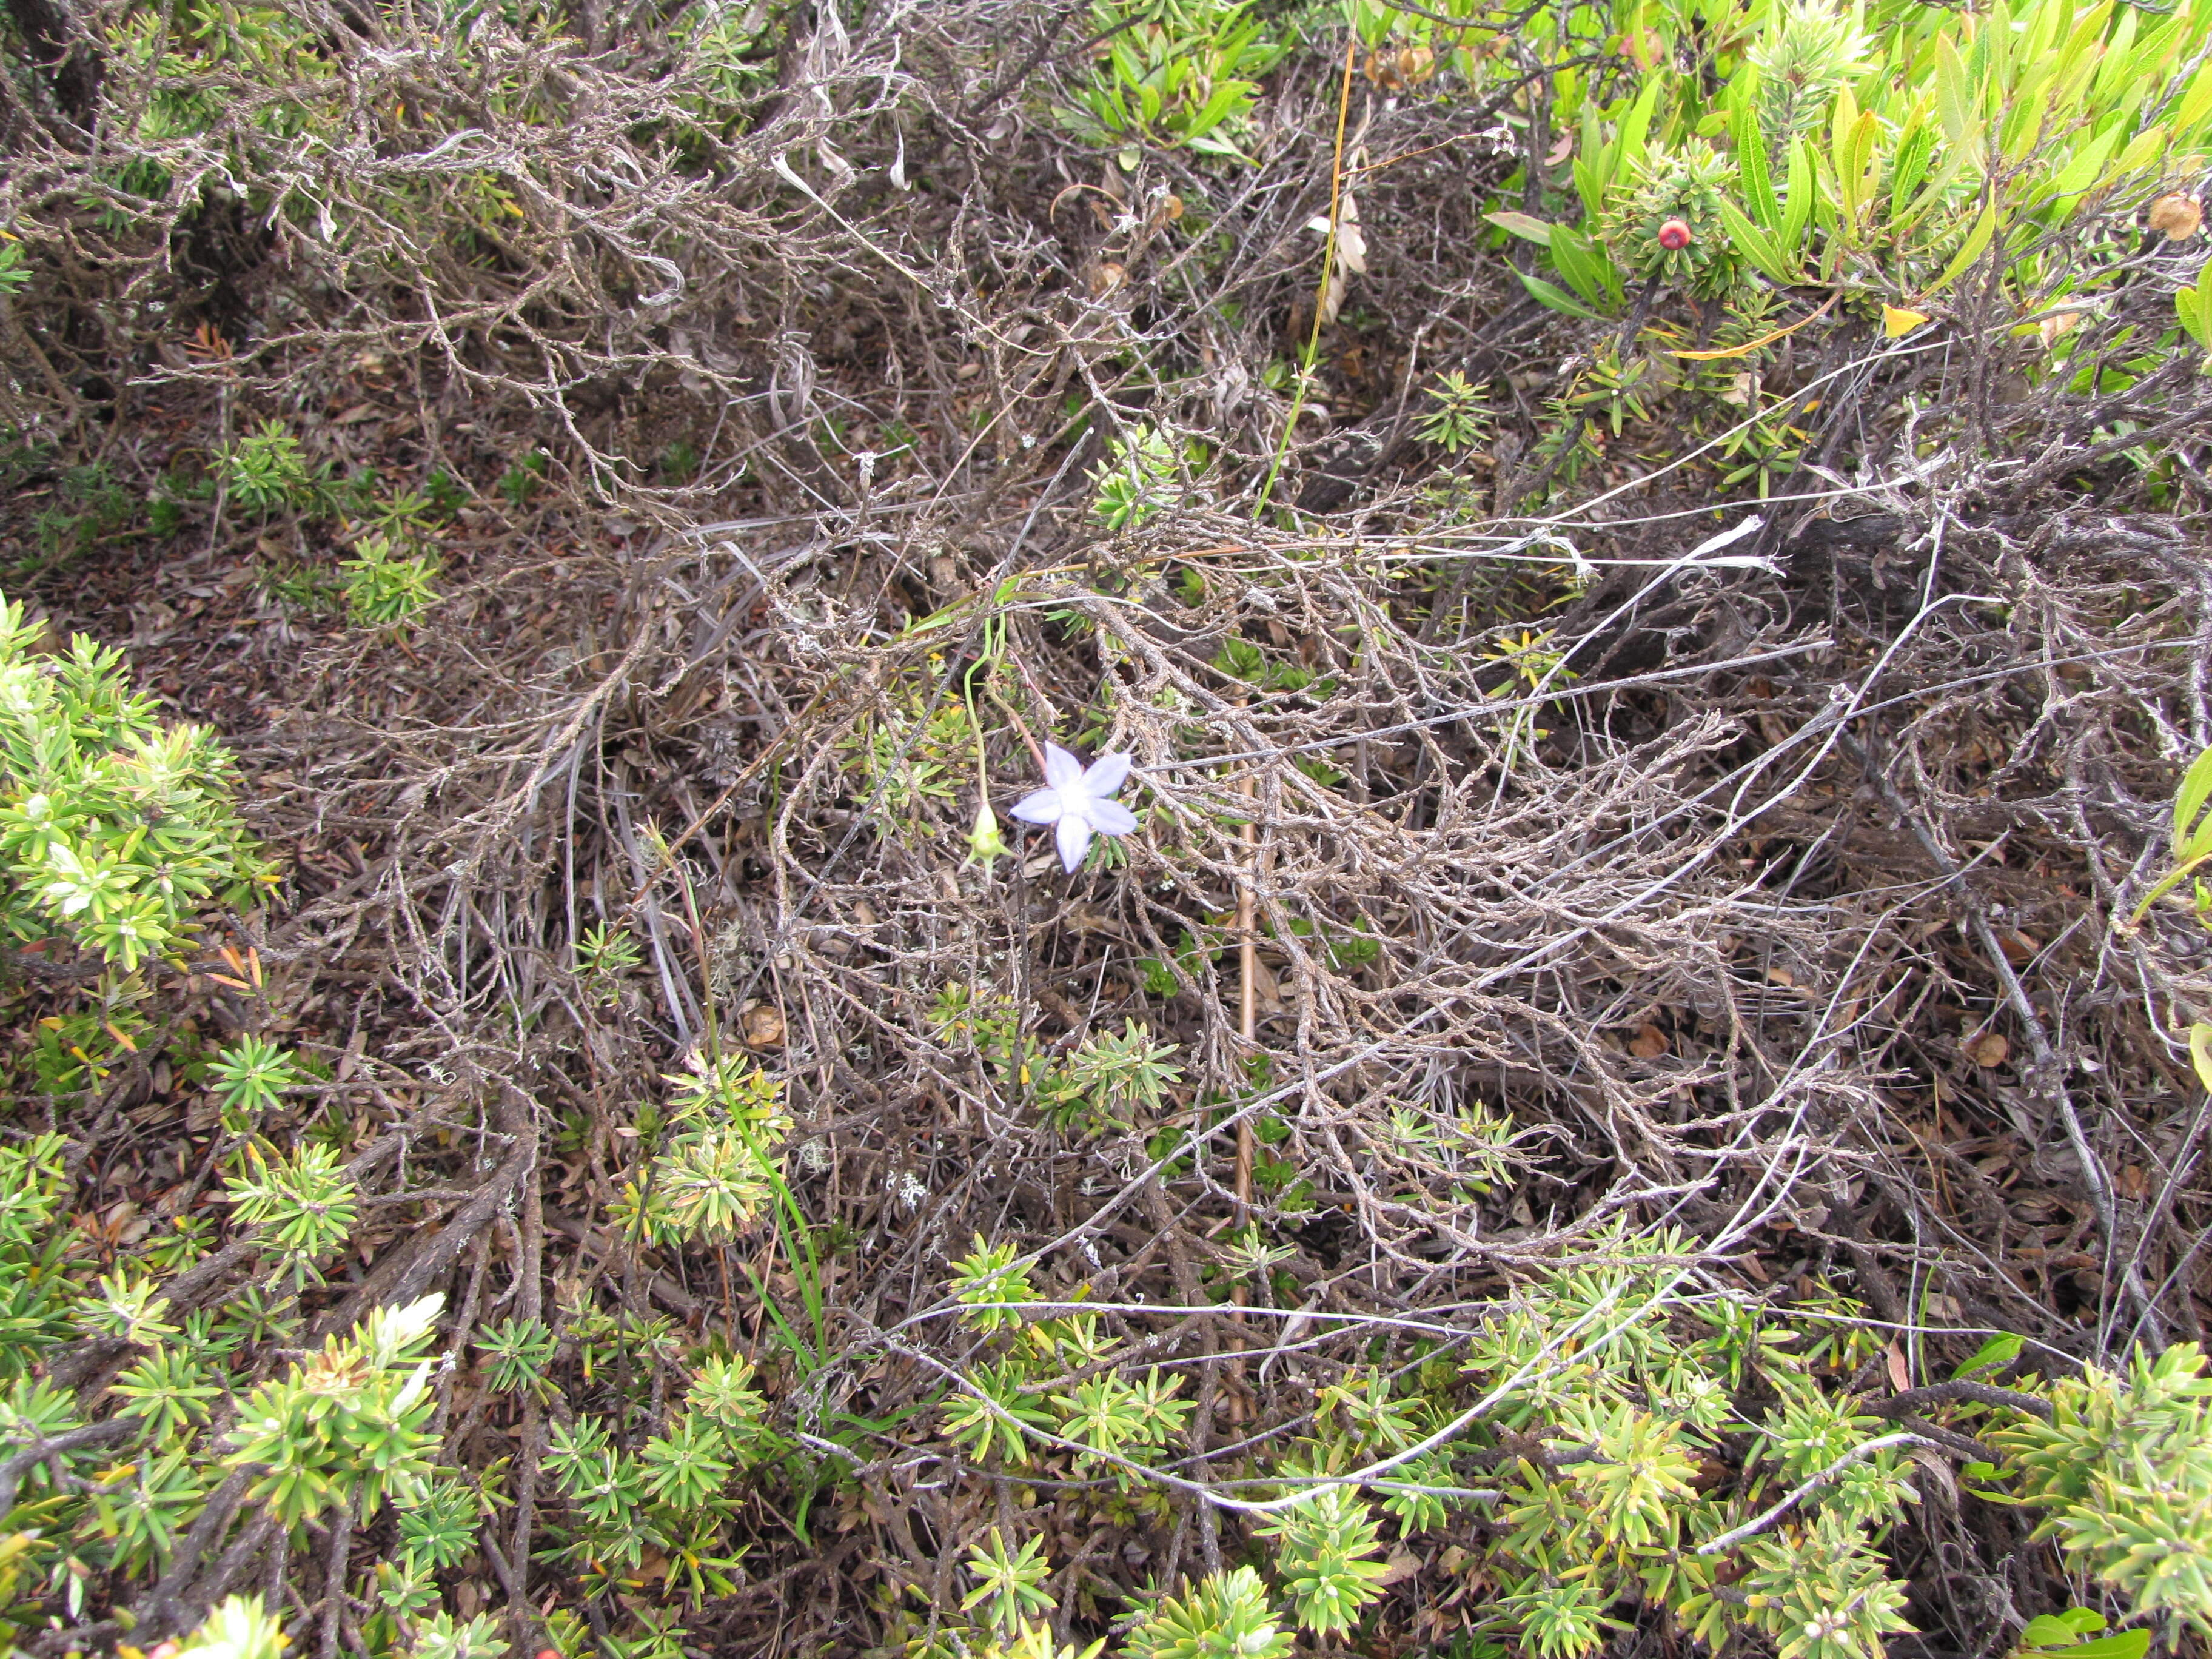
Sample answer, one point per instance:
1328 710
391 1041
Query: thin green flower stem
1328 270
699 946
989 653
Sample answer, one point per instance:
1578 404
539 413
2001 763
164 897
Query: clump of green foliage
1110 1080
717 1159
89 508
1630 1435
266 471
385 588
118 837
1458 417
1900 166
674 1493
2123 1472
1174 73
1806 154
347 1427
114 829
908 757
1143 476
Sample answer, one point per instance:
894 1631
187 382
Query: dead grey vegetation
1766 891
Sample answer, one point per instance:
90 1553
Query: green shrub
1227 1617
348 1427
2124 1472
674 1494
1173 72
114 831
1806 151
239 1629
719 1159
122 1488
266 472
1628 1437
1142 476
385 588
116 835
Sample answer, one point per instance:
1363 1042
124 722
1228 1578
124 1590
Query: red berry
1675 235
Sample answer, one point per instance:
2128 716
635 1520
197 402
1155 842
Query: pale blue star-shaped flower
1077 803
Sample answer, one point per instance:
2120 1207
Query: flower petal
1073 838
1106 774
1061 769
1110 817
1043 807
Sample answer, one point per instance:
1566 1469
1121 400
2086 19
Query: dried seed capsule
2176 216
762 1024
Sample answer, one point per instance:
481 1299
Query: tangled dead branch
1757 885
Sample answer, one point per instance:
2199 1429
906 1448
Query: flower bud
985 843
1675 235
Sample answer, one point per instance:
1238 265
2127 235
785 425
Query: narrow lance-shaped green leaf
1593 163
2147 147
1977 239
2190 308
1753 244
1526 226
2189 804
2024 127
2205 304
1634 130
1915 147
1751 165
2195 105
1551 294
2084 169
1958 159
1952 106
2001 1349
1588 268
2127 1645
1797 213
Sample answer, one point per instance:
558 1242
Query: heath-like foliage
114 829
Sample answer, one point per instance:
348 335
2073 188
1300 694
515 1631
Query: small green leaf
1589 185
1797 210
1753 244
2192 315
1526 226
2127 1645
1588 268
2146 149
1751 161
2188 801
1953 102
1630 150
2200 1052
2195 306
2000 1349
2195 104
1556 298
1970 249
2061 1630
